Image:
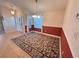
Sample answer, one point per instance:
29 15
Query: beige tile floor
10 49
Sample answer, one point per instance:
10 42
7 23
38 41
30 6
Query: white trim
47 34
27 25
60 48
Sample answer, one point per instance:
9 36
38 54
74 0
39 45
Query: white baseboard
47 34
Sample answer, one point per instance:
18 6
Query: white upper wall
71 26
5 12
53 19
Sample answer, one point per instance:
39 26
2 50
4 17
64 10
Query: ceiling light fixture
36 15
12 12
36 1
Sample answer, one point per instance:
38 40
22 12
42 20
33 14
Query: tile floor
8 48
38 45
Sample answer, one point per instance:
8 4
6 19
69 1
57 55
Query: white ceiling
30 5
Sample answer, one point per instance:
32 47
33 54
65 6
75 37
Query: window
38 22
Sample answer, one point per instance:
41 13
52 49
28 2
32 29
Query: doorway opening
34 23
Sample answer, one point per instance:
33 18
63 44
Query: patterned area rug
38 45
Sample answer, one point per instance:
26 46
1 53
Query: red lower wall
37 29
25 28
32 28
65 50
52 30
